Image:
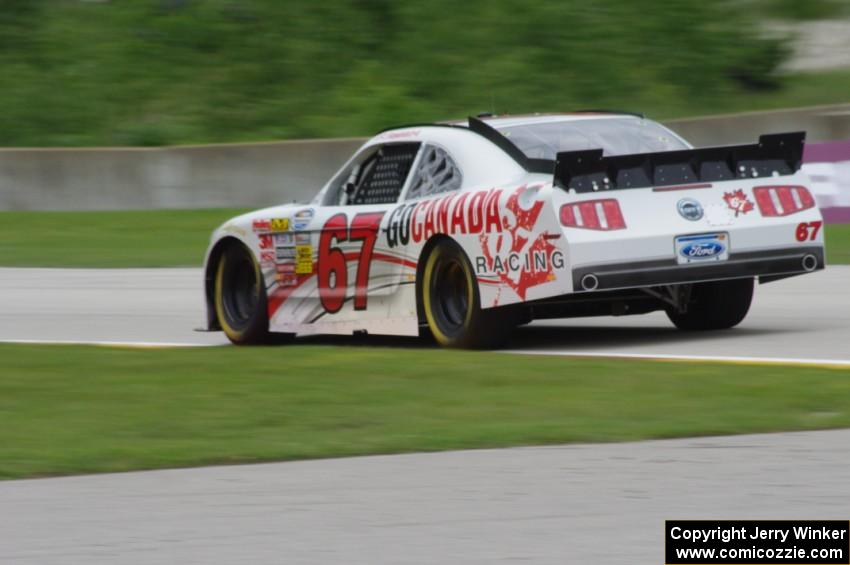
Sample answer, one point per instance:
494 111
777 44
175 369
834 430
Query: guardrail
263 174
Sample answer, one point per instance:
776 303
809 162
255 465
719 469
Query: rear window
614 136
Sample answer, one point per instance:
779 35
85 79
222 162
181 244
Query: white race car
469 229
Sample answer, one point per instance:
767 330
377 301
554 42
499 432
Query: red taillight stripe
568 215
786 200
782 200
613 215
602 215
589 218
806 198
765 203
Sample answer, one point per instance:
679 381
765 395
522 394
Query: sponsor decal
265 240
401 134
279 224
737 201
283 239
267 256
282 253
304 259
285 268
465 213
513 248
302 239
514 263
287 279
260 225
690 209
534 256
302 218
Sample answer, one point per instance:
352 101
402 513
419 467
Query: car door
344 240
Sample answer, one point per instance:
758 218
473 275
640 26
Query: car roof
506 121
510 120
489 126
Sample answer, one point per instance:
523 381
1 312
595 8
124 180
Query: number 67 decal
332 263
808 231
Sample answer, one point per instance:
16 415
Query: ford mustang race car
467 230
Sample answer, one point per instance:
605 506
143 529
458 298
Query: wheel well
420 270
209 278
522 313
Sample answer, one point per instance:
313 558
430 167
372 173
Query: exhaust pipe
589 282
810 263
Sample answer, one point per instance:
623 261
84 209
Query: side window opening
436 173
380 178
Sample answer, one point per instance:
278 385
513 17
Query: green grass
793 90
155 238
159 238
85 409
838 244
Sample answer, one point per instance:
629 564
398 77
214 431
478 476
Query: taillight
602 215
783 200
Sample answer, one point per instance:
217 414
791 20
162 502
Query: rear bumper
774 263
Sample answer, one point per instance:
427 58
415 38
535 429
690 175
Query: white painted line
838 363
835 363
140 344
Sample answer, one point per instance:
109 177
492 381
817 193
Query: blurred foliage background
153 72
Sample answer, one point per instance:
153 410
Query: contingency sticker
279 224
287 279
304 259
284 253
283 239
302 239
302 219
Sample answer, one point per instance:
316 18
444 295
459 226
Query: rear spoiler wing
589 171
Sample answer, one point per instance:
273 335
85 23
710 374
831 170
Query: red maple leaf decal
520 231
738 202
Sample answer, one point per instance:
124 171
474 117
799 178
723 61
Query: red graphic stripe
680 187
282 293
395 260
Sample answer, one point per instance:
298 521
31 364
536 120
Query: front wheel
240 298
452 305
715 305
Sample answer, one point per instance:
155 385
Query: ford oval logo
702 250
690 209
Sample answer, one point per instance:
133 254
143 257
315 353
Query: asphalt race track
805 317
600 504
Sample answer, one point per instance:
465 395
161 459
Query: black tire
240 299
716 305
452 306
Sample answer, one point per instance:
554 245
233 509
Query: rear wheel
452 305
240 298
715 305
